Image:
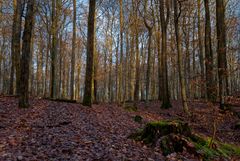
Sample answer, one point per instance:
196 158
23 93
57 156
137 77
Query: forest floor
60 131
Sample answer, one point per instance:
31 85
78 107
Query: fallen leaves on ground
65 131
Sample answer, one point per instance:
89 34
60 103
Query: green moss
221 150
175 135
229 149
155 130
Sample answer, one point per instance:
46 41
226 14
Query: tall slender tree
26 51
137 73
210 83
88 92
149 27
221 49
73 50
177 14
200 45
164 18
121 53
53 85
16 45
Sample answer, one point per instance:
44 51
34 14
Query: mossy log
155 130
177 136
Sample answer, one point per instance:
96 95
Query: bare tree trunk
53 84
73 49
164 22
210 83
121 54
201 58
149 64
137 73
180 70
110 88
46 65
221 49
87 99
26 49
16 44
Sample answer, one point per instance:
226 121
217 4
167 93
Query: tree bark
53 84
121 54
221 49
180 70
26 49
210 83
73 50
201 56
88 92
164 22
16 45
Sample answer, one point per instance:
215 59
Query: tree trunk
73 50
221 49
201 58
53 85
149 64
164 21
16 44
180 70
121 54
137 73
210 83
87 99
26 49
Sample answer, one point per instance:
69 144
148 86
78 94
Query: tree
164 23
121 53
221 49
53 85
137 73
88 91
200 48
149 27
73 50
177 14
26 51
16 45
210 83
